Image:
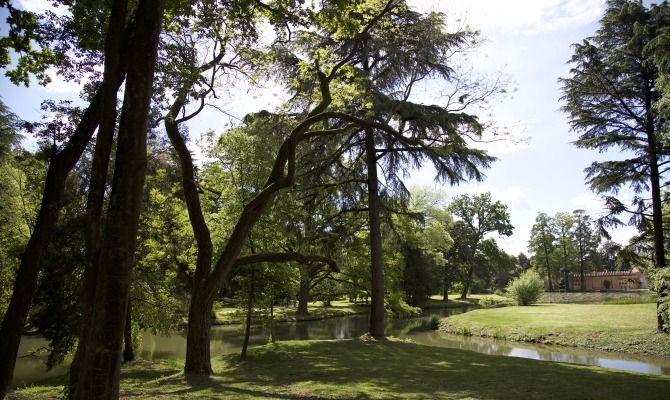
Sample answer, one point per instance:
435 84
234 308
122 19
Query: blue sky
529 41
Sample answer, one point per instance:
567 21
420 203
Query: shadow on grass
384 369
388 369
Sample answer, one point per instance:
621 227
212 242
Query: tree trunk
303 293
114 44
250 309
128 353
97 375
25 284
445 289
376 254
198 339
466 286
546 261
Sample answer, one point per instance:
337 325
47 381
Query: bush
487 302
399 307
434 322
526 289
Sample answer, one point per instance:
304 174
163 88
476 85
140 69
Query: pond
228 339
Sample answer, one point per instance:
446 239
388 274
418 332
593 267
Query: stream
228 339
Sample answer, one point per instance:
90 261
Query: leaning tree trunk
97 375
376 254
25 284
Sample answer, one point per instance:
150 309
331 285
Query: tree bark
376 252
114 48
303 292
97 375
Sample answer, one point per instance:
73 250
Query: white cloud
61 86
517 16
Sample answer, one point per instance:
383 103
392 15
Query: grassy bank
337 308
436 302
376 370
629 328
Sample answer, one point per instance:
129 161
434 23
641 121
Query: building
634 279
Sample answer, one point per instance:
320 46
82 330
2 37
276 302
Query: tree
563 225
61 161
611 98
96 366
586 242
541 244
482 216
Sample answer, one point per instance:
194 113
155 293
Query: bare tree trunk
376 252
97 375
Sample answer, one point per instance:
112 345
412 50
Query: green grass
455 301
627 328
360 369
338 308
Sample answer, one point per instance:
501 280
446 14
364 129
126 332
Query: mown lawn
611 327
364 369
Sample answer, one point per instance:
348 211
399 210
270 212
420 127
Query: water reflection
228 339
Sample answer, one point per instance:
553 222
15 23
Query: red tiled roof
607 273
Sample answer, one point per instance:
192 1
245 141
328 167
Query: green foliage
660 283
526 289
395 302
434 321
488 302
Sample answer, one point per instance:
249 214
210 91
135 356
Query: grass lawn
611 327
337 308
359 369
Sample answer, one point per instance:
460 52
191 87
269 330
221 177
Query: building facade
634 279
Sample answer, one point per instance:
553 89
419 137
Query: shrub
434 322
487 302
526 289
399 307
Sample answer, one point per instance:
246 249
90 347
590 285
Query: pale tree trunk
97 375
376 251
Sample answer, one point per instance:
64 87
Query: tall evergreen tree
610 97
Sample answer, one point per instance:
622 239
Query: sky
529 42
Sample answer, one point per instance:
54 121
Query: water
228 339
